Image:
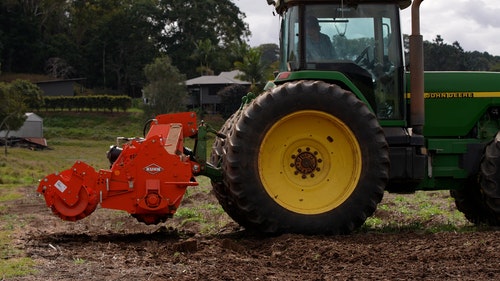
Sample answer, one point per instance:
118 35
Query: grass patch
9 193
92 125
188 215
11 264
24 167
200 212
428 211
6 251
16 267
79 261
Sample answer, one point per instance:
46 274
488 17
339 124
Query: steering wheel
363 54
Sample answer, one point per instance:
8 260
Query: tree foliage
231 98
218 21
270 53
204 53
258 65
116 38
17 98
439 55
110 41
251 66
270 59
166 89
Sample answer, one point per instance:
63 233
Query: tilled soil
110 245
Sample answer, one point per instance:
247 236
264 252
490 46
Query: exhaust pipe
417 117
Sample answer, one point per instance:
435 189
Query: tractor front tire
305 157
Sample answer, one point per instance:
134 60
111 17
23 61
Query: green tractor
343 122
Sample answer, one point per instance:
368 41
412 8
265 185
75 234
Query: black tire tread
239 163
479 200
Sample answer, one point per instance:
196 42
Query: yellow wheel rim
309 162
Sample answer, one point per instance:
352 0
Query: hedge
79 103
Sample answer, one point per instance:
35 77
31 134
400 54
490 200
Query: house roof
224 78
61 80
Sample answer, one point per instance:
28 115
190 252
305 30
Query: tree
27 30
186 21
58 68
253 68
496 66
231 98
28 93
270 59
270 53
476 61
20 37
11 108
204 52
110 41
166 89
119 38
442 56
17 98
439 55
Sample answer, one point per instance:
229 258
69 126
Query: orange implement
148 176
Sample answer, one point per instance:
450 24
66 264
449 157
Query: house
203 90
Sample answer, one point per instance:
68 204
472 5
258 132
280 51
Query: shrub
101 102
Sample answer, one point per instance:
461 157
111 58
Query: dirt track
110 245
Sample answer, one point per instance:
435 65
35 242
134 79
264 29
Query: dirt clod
186 246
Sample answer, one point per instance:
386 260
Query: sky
474 24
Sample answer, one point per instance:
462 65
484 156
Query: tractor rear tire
218 151
480 201
469 201
490 181
305 157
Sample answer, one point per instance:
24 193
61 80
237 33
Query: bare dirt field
111 245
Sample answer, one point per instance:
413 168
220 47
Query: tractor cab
362 42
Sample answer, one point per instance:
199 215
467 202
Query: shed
32 128
59 87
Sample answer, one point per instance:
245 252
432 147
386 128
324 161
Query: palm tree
252 67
